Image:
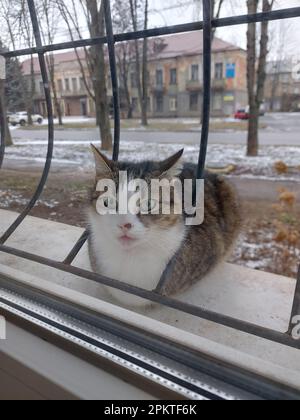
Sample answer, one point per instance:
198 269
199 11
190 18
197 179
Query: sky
167 12
286 32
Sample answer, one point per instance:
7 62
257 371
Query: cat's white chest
141 266
141 269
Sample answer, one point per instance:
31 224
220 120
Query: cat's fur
167 253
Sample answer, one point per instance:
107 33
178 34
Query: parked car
244 114
22 118
241 114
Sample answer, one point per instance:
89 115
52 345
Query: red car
241 114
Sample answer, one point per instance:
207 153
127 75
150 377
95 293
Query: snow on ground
78 153
9 197
72 120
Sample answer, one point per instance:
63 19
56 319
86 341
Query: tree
124 51
216 5
141 69
49 27
92 11
256 71
16 27
26 31
7 135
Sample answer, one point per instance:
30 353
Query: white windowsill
253 296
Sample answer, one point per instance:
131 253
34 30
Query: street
281 130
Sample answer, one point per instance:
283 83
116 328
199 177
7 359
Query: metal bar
114 78
47 166
77 247
207 41
196 26
220 319
2 116
296 304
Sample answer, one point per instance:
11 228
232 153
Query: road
282 130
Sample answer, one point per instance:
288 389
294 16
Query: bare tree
256 71
216 5
26 32
141 69
7 135
124 52
49 28
92 11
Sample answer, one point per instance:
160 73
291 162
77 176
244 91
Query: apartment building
282 89
175 79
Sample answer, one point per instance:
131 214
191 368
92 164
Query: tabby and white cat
160 252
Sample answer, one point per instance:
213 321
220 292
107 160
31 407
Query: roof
163 47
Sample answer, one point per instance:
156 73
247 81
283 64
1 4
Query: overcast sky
286 32
283 33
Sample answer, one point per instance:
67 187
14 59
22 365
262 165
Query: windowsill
33 369
253 296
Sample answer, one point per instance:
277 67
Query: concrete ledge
253 296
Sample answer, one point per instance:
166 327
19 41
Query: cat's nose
126 226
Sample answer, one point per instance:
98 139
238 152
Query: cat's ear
173 166
104 166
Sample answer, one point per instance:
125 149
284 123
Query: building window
173 77
133 78
195 73
194 101
159 78
173 104
42 87
82 84
284 78
60 85
67 85
74 84
217 102
135 104
219 71
159 103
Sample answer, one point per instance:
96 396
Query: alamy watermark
296 329
158 196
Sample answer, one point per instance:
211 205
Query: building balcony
158 89
72 93
219 84
194 85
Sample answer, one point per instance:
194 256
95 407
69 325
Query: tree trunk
145 72
30 94
252 149
256 79
97 59
124 70
7 135
51 67
134 18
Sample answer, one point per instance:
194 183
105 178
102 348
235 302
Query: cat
160 252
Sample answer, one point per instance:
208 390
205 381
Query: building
175 79
282 89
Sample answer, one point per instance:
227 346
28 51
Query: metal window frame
111 39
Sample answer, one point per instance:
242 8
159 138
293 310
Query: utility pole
3 117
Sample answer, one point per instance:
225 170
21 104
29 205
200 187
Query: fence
111 38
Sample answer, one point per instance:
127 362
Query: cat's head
144 225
